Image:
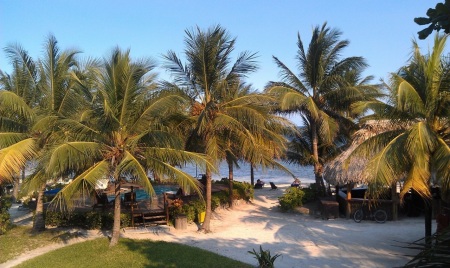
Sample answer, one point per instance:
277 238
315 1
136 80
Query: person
259 184
296 183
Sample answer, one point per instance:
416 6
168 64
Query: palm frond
131 166
10 138
73 156
85 181
409 100
16 105
14 158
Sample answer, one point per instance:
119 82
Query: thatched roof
342 171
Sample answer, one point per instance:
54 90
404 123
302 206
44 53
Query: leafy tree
438 18
207 77
321 94
123 135
417 151
262 142
22 82
53 95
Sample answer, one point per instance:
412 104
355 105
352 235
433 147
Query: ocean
305 174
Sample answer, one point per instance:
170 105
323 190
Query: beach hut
347 170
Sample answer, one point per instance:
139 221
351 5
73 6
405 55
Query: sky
381 31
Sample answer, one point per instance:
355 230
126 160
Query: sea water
242 173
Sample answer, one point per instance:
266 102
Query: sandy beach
302 240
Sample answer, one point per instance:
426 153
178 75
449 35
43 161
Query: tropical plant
265 260
435 255
321 94
207 79
292 198
23 83
417 151
5 204
438 19
123 135
260 146
51 93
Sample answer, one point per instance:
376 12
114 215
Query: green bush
88 220
222 196
291 199
215 202
5 204
244 190
310 194
189 211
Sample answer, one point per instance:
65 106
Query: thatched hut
349 170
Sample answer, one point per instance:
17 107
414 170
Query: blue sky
381 31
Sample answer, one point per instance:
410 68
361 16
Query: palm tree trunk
252 175
16 189
318 168
428 220
39 219
116 227
206 226
230 183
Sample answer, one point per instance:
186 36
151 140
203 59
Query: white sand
302 240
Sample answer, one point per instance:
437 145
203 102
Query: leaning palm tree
417 152
206 79
319 94
124 134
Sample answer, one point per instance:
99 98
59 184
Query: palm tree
262 141
418 151
55 95
22 83
319 94
123 135
206 79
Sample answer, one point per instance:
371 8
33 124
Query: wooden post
132 210
166 207
348 210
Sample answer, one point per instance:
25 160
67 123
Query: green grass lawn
131 253
96 253
20 239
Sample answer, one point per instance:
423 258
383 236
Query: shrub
310 194
215 202
244 190
222 196
5 204
87 220
189 211
291 199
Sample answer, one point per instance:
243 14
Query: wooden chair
273 186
